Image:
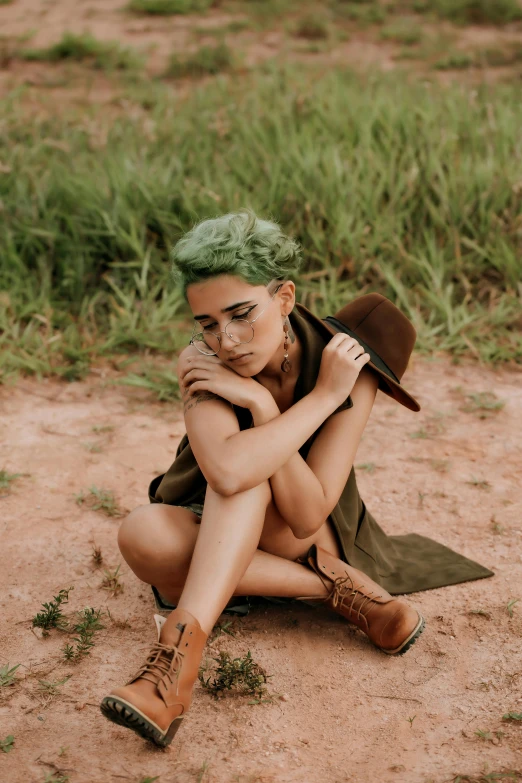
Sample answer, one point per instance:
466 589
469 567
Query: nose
227 343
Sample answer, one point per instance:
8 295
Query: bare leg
161 545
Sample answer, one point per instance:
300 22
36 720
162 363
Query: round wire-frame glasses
198 339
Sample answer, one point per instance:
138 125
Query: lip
240 359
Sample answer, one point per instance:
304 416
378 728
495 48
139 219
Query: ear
286 295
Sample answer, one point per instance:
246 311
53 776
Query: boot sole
124 714
411 639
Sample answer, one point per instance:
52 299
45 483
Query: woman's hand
197 373
342 360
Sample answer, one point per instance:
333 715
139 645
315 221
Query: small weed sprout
100 500
512 716
100 429
6 478
88 623
223 628
148 779
7 675
481 612
496 526
482 403
410 720
52 616
97 557
111 582
49 690
7 743
511 605
368 466
479 483
56 777
485 735
242 674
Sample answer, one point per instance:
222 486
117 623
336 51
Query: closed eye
238 315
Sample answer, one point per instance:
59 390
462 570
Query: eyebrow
225 310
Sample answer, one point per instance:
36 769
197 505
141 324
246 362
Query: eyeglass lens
239 330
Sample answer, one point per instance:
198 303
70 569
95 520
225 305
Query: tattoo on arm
192 402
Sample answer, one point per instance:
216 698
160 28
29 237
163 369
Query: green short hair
238 243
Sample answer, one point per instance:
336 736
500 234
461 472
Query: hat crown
383 327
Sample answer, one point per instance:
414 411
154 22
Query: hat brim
387 384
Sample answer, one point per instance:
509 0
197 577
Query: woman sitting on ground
261 499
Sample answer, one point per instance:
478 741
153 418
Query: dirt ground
342 710
52 86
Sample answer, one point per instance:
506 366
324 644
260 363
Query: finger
197 386
355 349
363 358
196 373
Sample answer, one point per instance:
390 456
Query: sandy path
345 712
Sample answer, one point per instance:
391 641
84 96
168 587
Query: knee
147 539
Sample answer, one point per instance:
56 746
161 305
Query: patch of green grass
493 12
169 7
52 616
7 674
6 479
104 55
313 27
7 743
207 60
404 33
364 13
240 673
88 622
163 383
512 716
456 61
100 500
480 402
433 222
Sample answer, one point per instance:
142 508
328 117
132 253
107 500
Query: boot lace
162 661
342 590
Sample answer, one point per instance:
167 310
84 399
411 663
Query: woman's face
217 301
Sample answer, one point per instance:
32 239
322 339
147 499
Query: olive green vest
401 564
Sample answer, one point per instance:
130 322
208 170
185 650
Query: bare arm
246 458
232 460
305 492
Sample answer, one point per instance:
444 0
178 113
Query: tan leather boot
155 699
391 624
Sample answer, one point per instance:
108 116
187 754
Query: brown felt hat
383 331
